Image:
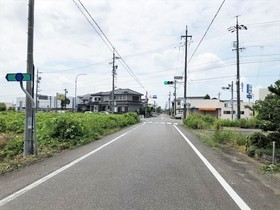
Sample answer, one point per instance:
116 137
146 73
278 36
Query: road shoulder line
58 171
221 180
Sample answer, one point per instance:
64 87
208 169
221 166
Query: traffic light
168 82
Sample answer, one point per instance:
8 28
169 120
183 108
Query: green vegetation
2 107
212 131
55 132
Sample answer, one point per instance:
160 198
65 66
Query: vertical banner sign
249 91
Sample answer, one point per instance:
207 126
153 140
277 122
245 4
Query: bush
223 136
13 147
3 107
12 122
275 136
259 140
242 123
251 151
198 121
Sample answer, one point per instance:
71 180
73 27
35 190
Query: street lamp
75 99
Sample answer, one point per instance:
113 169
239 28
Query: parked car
178 116
104 112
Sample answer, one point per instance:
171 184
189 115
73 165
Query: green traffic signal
168 82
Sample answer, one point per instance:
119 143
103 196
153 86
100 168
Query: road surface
156 164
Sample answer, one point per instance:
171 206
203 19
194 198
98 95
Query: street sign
249 96
18 77
178 77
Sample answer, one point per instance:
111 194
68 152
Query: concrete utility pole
75 99
27 150
186 67
175 95
114 73
169 103
236 28
65 101
38 78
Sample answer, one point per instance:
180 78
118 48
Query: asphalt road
156 164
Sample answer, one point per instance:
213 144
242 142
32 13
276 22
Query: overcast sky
147 35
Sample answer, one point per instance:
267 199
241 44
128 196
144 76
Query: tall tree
269 109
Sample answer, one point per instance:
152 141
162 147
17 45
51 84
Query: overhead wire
206 30
108 43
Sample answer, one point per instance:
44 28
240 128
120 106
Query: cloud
147 34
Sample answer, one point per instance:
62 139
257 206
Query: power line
206 31
92 24
108 42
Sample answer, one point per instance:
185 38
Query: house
218 108
126 100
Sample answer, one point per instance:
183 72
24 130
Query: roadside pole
28 103
20 77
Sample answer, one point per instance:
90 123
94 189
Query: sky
147 36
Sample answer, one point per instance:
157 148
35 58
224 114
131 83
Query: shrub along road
157 164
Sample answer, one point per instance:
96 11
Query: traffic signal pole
27 150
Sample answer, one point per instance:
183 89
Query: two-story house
126 100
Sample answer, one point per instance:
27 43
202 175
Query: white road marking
242 205
58 171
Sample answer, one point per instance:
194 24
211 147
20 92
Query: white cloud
145 33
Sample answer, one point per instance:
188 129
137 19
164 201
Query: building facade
222 109
45 103
125 100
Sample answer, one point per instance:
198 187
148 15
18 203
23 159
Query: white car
178 116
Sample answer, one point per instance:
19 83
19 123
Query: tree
64 101
158 109
269 109
3 107
206 96
11 109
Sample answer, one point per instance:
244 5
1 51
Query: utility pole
75 98
186 67
65 99
37 89
27 150
231 89
236 28
175 95
169 103
114 73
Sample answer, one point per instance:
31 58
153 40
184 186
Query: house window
135 98
242 112
226 112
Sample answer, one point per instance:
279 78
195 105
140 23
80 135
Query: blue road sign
18 77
